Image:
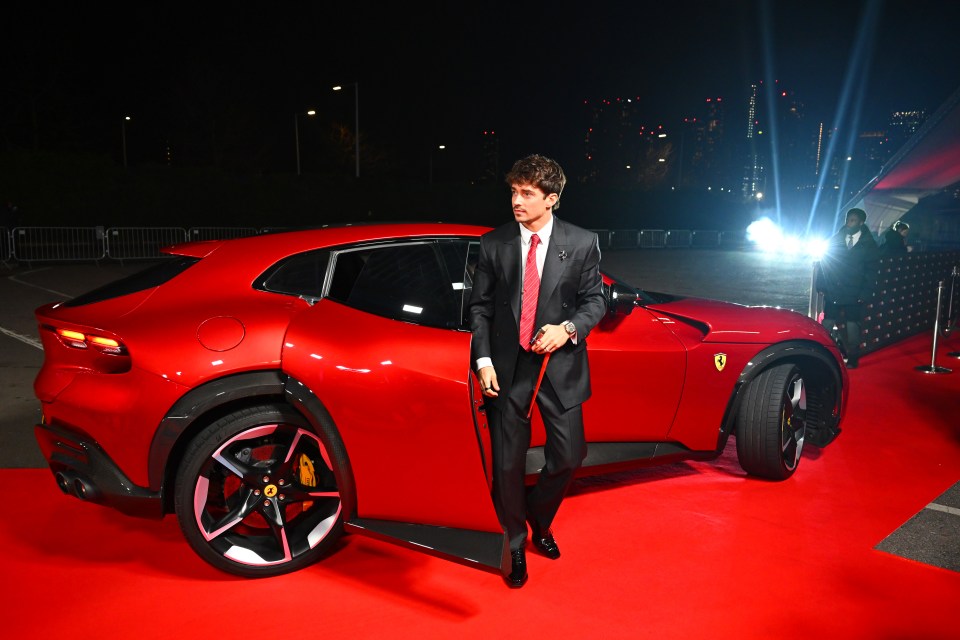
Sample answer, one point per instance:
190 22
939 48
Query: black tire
256 495
771 423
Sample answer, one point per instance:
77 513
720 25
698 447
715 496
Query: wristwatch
570 328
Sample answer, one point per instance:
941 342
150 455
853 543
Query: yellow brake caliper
308 476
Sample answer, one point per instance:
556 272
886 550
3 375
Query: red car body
138 373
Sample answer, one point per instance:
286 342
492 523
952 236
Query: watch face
570 327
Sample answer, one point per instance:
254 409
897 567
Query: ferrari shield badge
720 360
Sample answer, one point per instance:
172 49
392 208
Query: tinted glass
299 275
147 279
409 282
460 261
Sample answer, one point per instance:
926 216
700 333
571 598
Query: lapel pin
562 255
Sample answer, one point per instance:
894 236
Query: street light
296 134
123 138
356 122
440 147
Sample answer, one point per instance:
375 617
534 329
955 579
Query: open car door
386 354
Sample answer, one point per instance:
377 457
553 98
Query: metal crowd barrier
623 239
220 233
64 244
733 239
705 239
6 248
651 238
84 244
135 243
678 239
39 244
659 239
603 237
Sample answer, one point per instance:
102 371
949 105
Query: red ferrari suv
276 391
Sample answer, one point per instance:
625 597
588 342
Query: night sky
434 73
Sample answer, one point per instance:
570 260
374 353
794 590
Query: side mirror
621 298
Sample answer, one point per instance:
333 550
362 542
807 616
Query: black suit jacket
570 289
847 276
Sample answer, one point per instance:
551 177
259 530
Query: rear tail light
80 340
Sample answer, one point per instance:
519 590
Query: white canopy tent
927 164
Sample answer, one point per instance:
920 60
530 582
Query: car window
473 256
165 270
410 282
460 260
299 275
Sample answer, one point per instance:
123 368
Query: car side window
473 256
409 282
460 260
299 275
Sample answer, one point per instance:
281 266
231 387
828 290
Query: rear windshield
147 279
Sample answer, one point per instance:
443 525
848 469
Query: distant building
619 149
610 141
902 125
753 173
703 160
489 169
781 146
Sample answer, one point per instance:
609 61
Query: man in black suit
562 295
846 276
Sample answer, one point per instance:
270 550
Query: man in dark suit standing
537 294
846 275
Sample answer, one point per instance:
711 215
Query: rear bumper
83 469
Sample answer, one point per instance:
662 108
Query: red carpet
688 550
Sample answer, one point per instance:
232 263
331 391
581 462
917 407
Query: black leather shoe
543 542
518 569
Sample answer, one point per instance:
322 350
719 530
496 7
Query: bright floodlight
816 247
765 234
770 238
792 245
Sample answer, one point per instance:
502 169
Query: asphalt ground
745 277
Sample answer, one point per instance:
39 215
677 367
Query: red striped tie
531 291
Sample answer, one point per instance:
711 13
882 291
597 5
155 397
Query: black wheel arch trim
200 401
790 350
220 396
307 403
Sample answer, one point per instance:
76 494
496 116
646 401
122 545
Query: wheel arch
199 408
308 404
208 403
821 372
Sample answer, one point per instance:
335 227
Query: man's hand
488 382
554 336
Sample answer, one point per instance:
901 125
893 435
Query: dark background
213 89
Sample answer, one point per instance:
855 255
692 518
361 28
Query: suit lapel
513 270
553 264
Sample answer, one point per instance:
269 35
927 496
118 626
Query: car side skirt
478 549
603 455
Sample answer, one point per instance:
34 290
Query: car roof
272 246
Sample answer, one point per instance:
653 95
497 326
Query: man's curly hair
541 172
